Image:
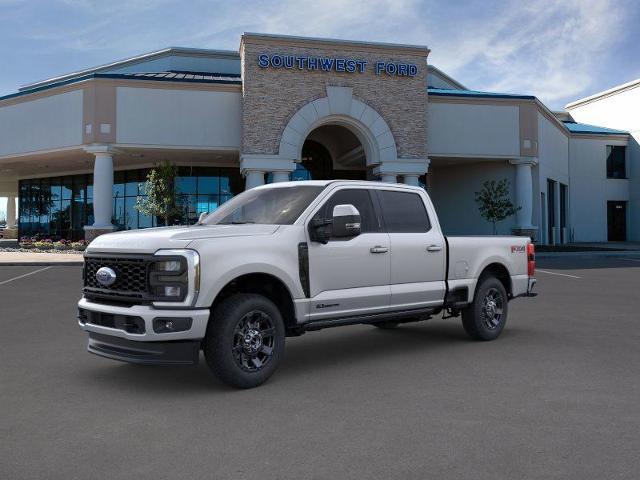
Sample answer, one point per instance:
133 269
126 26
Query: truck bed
468 256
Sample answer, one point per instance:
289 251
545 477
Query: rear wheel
245 340
486 316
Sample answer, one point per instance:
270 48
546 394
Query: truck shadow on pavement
315 352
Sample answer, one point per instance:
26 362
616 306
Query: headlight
175 278
169 266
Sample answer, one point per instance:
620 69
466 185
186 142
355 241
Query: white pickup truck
286 258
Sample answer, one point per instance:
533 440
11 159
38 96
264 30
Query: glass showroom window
204 189
59 207
616 161
54 208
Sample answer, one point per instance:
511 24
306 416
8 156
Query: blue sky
557 50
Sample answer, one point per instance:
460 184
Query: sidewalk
36 259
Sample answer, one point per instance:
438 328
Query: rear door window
404 212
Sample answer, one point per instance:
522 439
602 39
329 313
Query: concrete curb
72 263
609 253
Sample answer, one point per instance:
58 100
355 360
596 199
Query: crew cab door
418 250
349 276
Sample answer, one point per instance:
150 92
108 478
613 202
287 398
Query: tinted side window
358 198
404 212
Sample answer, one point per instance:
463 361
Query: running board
404 316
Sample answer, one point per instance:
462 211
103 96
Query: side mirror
201 218
320 230
346 221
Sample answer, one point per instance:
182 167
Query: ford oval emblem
106 276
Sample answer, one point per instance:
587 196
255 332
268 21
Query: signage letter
263 61
327 63
288 61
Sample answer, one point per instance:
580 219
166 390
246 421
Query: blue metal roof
188 77
444 92
575 127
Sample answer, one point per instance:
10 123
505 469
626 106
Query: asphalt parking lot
556 396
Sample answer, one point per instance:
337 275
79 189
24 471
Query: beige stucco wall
620 111
467 129
54 121
178 117
271 96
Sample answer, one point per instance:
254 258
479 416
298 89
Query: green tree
494 202
162 199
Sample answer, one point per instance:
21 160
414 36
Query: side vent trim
303 268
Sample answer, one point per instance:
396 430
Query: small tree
161 196
494 202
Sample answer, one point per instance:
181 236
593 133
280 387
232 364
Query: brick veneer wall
271 96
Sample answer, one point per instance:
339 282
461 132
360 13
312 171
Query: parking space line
556 273
25 275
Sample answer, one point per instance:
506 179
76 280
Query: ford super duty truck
283 259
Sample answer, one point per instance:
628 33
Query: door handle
378 249
434 248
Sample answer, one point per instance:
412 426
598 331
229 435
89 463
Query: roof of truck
324 183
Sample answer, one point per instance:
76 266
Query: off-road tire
224 345
477 319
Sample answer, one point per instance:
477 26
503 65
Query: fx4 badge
517 248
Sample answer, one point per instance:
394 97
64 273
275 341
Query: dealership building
76 149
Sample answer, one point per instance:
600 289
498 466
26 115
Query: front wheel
486 316
245 340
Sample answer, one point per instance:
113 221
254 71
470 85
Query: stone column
11 212
524 196
102 191
253 178
413 180
409 169
389 178
280 176
253 167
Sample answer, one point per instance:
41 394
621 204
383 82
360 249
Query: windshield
271 206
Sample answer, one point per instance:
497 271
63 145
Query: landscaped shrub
80 245
43 245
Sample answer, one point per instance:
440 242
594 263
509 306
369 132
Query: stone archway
340 108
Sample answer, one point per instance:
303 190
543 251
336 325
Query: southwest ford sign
334 64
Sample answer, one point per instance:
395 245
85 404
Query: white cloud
545 48
548 48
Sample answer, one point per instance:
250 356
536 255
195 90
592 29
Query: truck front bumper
143 334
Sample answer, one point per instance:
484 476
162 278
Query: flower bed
36 244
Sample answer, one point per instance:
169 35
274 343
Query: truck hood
151 239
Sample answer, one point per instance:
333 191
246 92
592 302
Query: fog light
172 291
169 325
169 266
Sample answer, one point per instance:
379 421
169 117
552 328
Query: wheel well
501 273
266 285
